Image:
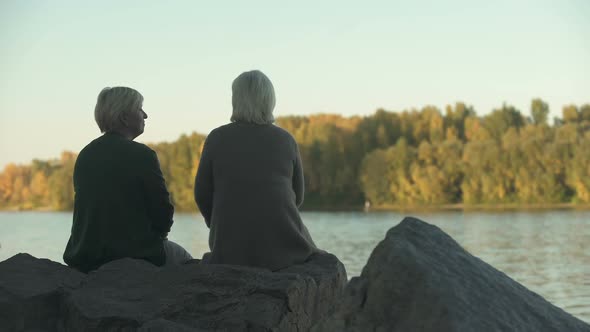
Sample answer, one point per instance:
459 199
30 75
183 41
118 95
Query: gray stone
131 295
162 325
31 293
420 279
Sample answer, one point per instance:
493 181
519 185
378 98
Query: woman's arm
204 185
160 209
298 180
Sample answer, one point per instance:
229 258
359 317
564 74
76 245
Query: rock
420 279
130 295
162 325
31 291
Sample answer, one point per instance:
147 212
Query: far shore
483 207
455 207
394 208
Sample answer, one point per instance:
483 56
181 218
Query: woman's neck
123 133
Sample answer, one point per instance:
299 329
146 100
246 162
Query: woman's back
113 215
254 178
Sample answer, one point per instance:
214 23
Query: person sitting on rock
122 207
249 184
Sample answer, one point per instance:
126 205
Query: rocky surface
130 295
32 291
419 279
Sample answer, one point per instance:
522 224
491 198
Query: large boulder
420 279
31 292
129 295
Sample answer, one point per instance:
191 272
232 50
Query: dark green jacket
122 207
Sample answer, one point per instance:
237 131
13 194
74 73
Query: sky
343 57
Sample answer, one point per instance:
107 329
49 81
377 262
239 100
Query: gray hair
114 102
253 98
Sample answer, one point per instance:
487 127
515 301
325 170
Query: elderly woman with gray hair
250 183
122 207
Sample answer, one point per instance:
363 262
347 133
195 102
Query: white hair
253 98
114 102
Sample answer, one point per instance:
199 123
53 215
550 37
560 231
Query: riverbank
508 207
21 208
480 207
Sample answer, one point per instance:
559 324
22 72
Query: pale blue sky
322 56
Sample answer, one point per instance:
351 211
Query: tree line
418 157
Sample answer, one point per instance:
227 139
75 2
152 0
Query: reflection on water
546 251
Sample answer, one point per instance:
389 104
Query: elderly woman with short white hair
250 183
122 207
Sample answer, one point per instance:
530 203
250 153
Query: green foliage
179 162
455 120
585 112
500 120
571 114
539 111
61 185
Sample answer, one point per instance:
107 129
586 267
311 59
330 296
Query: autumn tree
539 111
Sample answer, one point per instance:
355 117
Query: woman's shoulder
284 133
114 143
110 150
218 133
221 129
237 130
